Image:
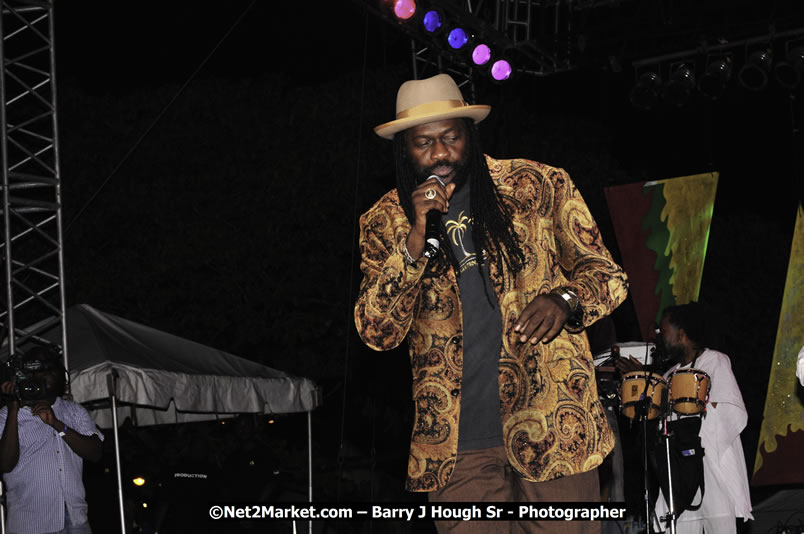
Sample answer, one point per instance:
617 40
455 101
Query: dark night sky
232 221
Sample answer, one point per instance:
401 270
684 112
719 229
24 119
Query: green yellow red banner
781 439
662 232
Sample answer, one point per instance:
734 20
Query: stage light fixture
501 70
432 21
645 94
754 74
404 9
712 83
788 72
481 54
139 481
679 87
457 38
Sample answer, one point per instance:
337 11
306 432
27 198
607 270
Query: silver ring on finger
430 194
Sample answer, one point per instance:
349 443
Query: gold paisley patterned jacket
553 423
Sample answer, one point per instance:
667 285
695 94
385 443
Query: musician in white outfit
726 494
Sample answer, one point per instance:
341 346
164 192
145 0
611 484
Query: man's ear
682 335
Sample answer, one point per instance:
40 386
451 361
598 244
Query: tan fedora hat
429 100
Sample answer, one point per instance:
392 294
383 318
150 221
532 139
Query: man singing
503 379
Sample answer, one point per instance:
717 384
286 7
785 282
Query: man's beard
458 167
676 353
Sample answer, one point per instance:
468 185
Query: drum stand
643 412
670 518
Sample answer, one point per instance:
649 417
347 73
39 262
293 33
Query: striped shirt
46 481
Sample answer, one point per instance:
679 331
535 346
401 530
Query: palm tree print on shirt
457 230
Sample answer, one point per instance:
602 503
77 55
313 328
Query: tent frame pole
111 380
310 461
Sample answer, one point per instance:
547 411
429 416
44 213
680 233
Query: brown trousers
484 475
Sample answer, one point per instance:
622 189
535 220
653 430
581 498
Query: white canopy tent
167 379
159 378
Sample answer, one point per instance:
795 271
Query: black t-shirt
480 424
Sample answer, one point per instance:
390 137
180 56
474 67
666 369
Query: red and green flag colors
662 230
781 439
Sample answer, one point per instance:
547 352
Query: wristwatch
569 296
63 432
574 322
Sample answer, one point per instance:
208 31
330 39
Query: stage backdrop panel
662 230
781 440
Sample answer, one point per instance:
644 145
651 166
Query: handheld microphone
432 228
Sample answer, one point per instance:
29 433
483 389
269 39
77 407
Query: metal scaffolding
31 249
527 27
547 37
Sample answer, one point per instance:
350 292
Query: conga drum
689 391
639 385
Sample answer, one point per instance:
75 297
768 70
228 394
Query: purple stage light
432 21
501 70
457 38
404 9
481 54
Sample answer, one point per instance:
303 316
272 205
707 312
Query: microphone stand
658 356
643 410
645 404
670 518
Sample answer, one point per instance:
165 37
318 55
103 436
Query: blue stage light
458 38
432 21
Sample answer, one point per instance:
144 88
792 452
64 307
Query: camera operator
45 439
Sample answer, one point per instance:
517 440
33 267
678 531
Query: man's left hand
627 365
45 412
542 319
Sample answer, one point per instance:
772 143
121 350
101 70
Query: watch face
571 298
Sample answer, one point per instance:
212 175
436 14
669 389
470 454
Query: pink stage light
404 9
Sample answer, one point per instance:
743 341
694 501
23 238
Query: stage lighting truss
450 33
460 47
33 302
757 61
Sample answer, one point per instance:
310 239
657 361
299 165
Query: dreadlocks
491 219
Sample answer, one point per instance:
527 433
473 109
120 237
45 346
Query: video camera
26 369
